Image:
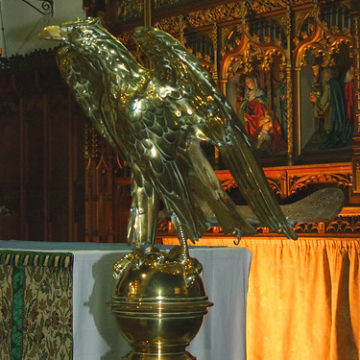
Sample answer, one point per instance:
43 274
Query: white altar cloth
95 336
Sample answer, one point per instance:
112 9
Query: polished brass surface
51 33
156 118
159 303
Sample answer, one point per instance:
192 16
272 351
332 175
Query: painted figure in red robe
262 129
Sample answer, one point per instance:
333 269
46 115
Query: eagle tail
253 185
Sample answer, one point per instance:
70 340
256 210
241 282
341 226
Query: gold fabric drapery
303 299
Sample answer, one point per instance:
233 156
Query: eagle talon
238 234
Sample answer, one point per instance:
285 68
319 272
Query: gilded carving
231 40
171 25
119 163
265 6
215 35
158 4
289 99
297 184
176 26
199 18
356 22
289 85
356 185
287 182
206 62
323 40
91 143
181 29
125 37
344 225
218 14
299 20
228 184
86 141
341 225
130 10
235 11
275 186
250 56
310 227
94 144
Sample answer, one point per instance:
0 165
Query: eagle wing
83 80
97 89
156 144
202 108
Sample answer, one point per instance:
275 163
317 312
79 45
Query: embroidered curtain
35 306
303 299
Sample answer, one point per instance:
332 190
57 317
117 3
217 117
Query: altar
92 332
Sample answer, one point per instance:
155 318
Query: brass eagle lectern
156 118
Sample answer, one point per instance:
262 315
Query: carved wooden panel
107 199
288 181
41 155
9 174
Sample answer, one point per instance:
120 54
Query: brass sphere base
159 303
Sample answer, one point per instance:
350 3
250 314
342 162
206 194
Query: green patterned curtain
36 305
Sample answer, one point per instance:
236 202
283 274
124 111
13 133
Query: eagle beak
51 33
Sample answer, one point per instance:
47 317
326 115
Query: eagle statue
156 119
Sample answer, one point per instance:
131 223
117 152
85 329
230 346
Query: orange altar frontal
302 297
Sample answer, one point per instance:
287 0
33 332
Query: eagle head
87 38
77 33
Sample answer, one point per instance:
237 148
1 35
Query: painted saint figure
280 102
329 112
261 128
